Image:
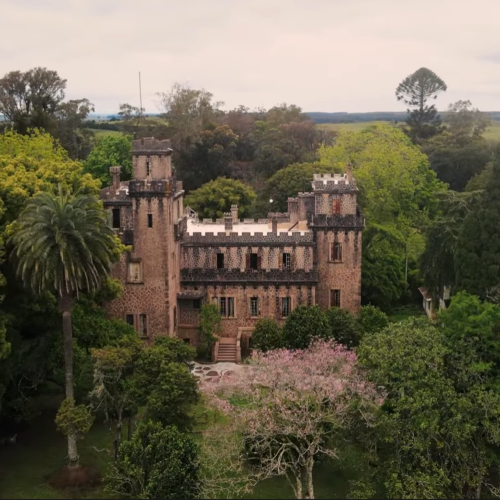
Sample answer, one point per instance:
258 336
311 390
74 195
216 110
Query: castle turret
337 225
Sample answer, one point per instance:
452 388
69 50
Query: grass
492 133
26 468
405 312
103 133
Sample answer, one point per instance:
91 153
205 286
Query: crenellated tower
337 226
152 212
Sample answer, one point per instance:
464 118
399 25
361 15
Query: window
226 306
175 317
150 220
220 261
334 298
143 325
135 272
254 306
129 319
196 303
116 218
254 261
285 306
286 261
148 167
336 251
336 205
230 307
187 341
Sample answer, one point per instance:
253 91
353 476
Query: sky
322 55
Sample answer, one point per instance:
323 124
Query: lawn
26 468
492 133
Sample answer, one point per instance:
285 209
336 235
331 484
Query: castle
249 268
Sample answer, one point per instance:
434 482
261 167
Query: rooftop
263 226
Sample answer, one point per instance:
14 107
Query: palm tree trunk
65 305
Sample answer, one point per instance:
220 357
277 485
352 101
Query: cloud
323 55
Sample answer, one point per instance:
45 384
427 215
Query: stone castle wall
344 275
269 305
235 257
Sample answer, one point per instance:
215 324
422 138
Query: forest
386 404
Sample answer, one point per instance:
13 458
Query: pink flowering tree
286 408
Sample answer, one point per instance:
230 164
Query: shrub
343 327
303 325
158 462
267 335
372 319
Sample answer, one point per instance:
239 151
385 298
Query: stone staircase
227 350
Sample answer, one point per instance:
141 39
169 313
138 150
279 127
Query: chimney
293 210
228 221
274 223
234 213
348 172
115 174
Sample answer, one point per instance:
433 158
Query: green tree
303 325
437 263
415 91
434 429
372 320
30 99
477 257
163 383
207 157
63 245
113 390
188 111
397 192
466 122
77 140
110 151
474 324
343 327
215 198
158 462
460 152
285 183
267 335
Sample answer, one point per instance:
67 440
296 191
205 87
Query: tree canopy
415 91
397 193
215 198
110 151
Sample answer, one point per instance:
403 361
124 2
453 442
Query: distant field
102 133
492 133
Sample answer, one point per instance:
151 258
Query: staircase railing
238 347
215 351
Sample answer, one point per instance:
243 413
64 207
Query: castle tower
337 226
151 214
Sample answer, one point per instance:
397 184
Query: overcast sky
323 55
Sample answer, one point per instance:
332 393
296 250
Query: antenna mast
140 94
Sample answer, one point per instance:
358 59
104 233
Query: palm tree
63 245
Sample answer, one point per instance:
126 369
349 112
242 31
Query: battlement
334 182
247 238
151 146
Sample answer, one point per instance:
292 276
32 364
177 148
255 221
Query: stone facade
250 269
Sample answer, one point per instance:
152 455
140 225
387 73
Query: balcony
260 276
